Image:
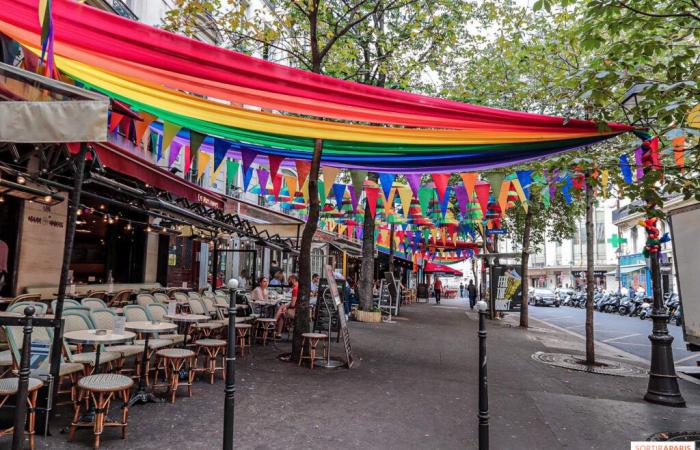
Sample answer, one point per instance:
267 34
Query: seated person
288 311
314 284
277 279
260 293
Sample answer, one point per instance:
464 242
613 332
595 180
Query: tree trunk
590 240
367 266
302 321
524 319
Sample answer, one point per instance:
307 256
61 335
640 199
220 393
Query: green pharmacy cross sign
616 241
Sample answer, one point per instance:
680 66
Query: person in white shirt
243 279
314 283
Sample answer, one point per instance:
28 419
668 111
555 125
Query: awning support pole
73 207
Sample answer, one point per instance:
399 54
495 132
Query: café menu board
344 332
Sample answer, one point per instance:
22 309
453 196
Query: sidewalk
414 386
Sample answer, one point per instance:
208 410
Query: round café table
147 328
92 338
186 320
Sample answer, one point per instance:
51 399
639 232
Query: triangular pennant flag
277 186
322 193
444 202
231 172
406 196
303 168
338 192
354 199
114 119
221 148
372 193
358 180
170 130
414 182
503 195
188 159
566 188
247 176
389 207
387 181
159 147
247 157
126 126
425 195
440 180
275 162
291 182
175 148
196 139
625 169
469 179
263 177
215 173
142 125
678 144
604 176
482 194
495 179
525 179
203 160
462 198
329 176
305 193
521 193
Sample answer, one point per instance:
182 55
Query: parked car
543 297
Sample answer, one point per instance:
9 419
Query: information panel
344 332
506 288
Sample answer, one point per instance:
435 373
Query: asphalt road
626 333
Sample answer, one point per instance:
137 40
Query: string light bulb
21 179
149 229
128 226
47 198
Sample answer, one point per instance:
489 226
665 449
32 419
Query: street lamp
230 390
483 307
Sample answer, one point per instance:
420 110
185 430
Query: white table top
146 326
89 337
187 317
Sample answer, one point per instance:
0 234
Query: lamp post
482 306
230 390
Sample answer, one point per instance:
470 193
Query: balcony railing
121 9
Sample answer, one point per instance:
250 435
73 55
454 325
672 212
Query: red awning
128 163
434 268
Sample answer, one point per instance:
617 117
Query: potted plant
374 315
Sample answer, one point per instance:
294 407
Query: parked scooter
677 317
645 308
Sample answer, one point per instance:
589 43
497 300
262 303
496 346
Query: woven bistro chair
18 307
9 388
75 320
206 329
137 313
144 299
121 298
102 295
172 361
67 303
160 297
103 318
25 298
194 294
102 389
158 311
67 371
213 349
93 303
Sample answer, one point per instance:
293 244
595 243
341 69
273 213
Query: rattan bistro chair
158 311
102 389
67 303
25 298
68 371
75 320
18 307
121 298
8 388
206 329
160 297
92 303
104 318
172 361
144 299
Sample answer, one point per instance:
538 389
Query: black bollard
23 383
483 381
229 402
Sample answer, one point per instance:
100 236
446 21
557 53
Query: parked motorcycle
645 308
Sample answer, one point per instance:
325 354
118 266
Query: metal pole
67 256
23 383
483 381
391 248
215 265
663 382
230 391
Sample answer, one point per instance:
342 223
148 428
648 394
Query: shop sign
44 217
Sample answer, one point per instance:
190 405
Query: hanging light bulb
21 179
110 220
102 207
2 199
149 229
128 226
79 212
47 198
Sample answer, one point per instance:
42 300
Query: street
626 333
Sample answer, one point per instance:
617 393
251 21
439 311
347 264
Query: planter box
366 316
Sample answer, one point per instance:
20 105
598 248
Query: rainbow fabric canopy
169 76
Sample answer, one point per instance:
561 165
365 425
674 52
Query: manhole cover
575 362
681 436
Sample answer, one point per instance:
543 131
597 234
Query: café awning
440 268
36 109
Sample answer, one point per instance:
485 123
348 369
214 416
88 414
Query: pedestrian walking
437 287
461 290
471 292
